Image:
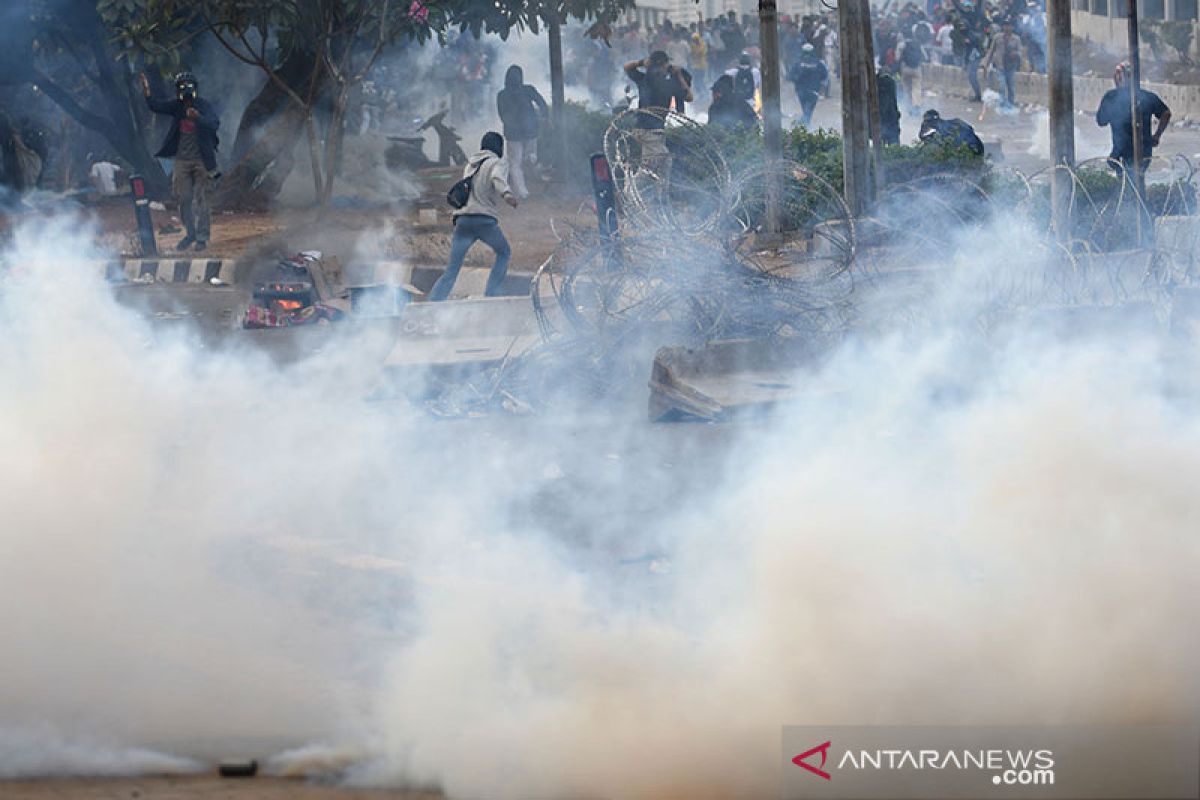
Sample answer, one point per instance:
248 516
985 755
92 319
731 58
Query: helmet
744 60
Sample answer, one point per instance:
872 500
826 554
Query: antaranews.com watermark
940 763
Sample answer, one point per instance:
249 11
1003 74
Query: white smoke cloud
204 552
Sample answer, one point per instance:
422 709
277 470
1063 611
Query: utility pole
772 116
853 30
873 122
1062 115
1135 87
558 95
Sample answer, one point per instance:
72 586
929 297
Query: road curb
171 270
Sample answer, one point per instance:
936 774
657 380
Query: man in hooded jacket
192 142
479 219
522 110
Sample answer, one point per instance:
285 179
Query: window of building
1185 9
1153 9
1100 7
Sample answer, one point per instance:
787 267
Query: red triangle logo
823 749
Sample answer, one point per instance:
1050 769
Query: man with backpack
747 79
1006 54
808 75
523 110
477 219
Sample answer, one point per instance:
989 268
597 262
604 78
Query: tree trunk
263 151
1062 116
296 71
256 179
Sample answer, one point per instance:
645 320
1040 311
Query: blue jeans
468 229
1010 91
972 68
808 104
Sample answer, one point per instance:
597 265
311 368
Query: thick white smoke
204 553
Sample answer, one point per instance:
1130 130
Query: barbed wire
691 263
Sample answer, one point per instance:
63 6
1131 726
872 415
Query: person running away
808 75
523 111
479 219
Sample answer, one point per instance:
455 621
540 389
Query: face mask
186 91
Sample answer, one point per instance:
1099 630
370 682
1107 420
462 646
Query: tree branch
67 103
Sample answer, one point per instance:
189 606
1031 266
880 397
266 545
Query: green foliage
819 150
267 31
904 163
503 16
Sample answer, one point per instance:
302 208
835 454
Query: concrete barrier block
180 270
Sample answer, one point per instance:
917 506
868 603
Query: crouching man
479 219
192 141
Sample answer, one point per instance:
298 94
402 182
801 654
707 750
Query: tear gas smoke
1091 141
202 549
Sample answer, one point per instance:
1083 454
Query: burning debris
303 289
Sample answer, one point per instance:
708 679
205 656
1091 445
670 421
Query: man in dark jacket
192 142
522 109
728 110
955 131
889 109
660 85
808 76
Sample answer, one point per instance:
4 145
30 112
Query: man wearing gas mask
192 142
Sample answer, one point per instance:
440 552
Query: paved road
1023 133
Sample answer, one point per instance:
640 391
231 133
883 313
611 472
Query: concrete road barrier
172 270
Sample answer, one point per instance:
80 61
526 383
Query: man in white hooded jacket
479 219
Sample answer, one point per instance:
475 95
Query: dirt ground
192 788
368 233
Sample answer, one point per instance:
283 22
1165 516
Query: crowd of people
707 50
998 38
676 67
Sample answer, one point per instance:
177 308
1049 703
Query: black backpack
743 83
460 193
912 55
